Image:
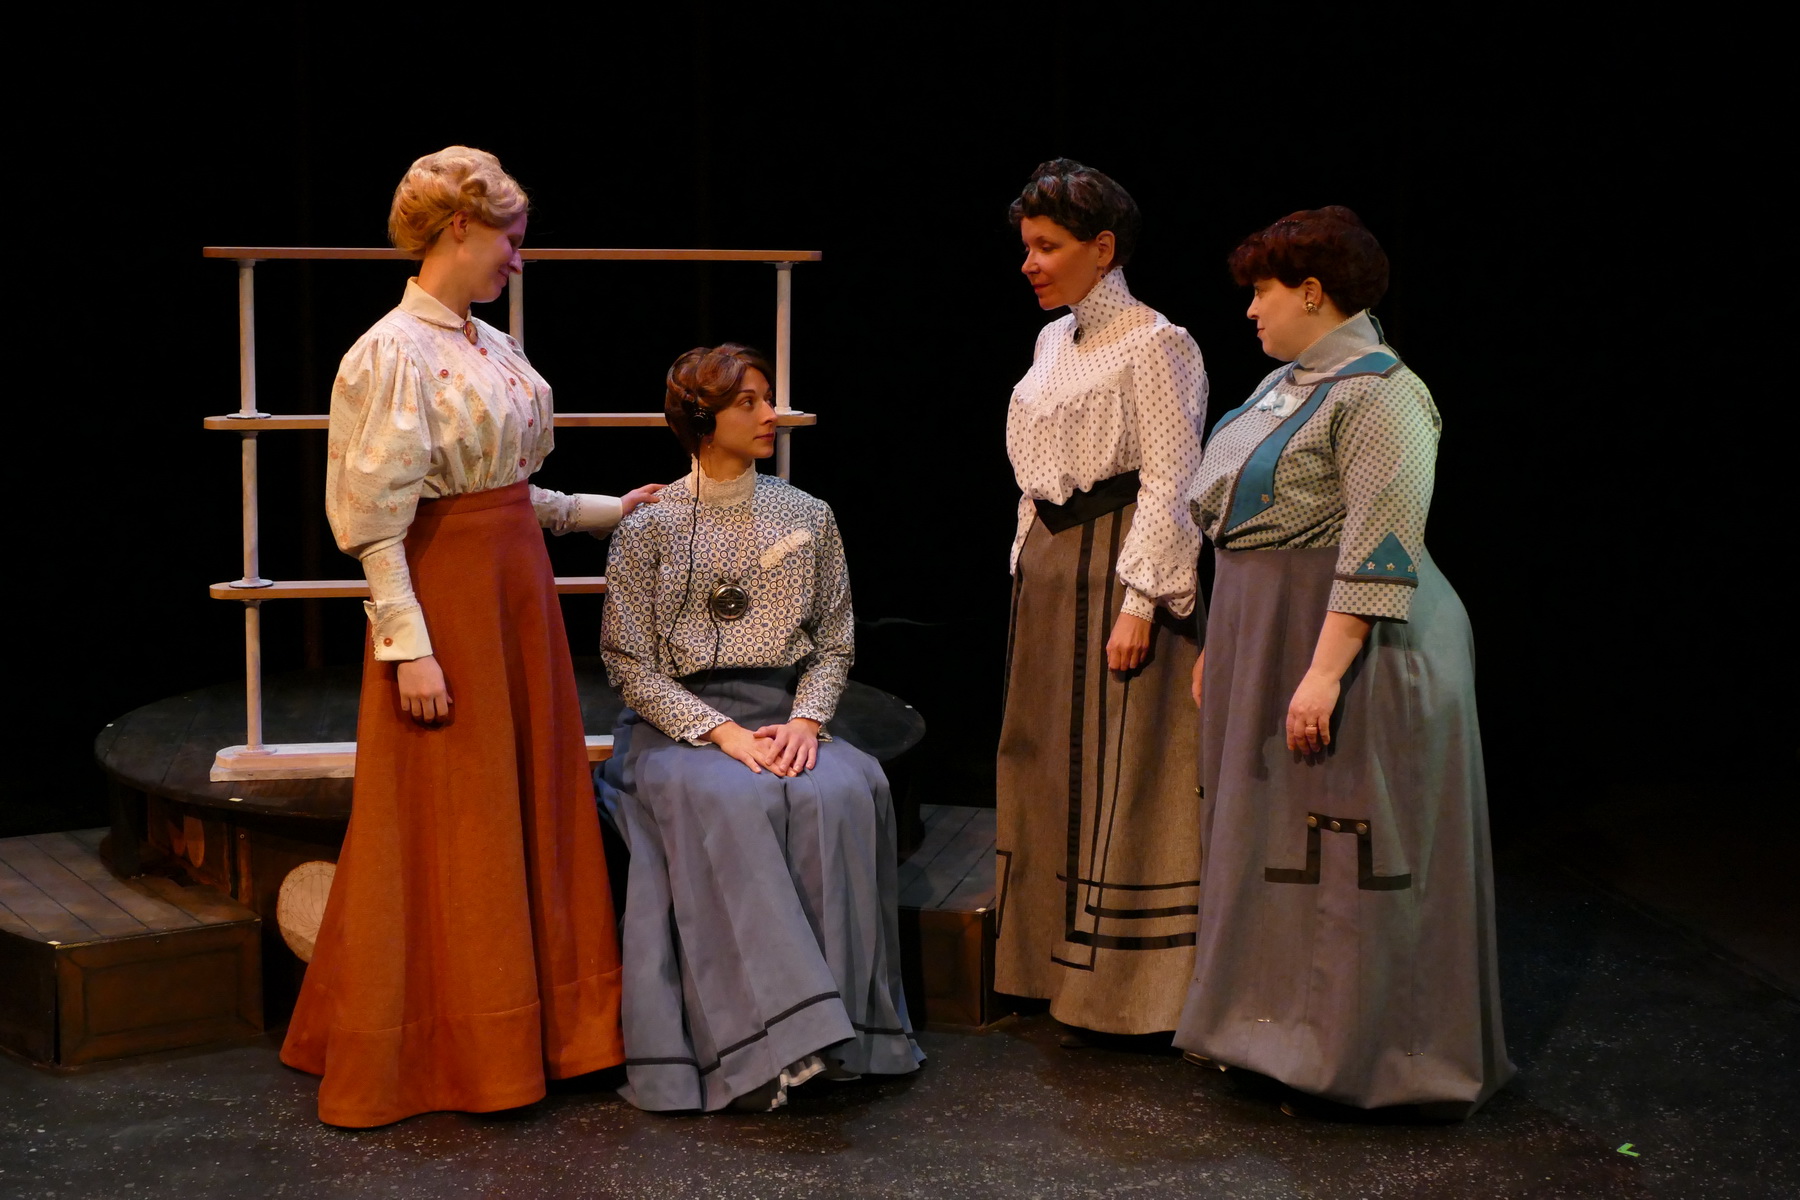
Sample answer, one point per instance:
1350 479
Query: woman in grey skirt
1098 826
761 937
1346 915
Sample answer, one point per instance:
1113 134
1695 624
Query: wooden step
947 919
97 967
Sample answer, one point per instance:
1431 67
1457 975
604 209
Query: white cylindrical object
515 307
784 335
253 731
784 340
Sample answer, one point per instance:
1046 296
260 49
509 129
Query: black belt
1109 495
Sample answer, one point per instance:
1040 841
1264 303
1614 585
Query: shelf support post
515 307
252 578
784 330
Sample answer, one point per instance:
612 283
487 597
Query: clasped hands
784 750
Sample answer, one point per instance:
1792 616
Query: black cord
687 588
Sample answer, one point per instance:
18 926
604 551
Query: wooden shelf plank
325 760
581 420
266 424
331 589
529 254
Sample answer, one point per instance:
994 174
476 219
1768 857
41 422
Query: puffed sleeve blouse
427 404
1114 387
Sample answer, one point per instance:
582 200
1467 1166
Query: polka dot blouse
1114 387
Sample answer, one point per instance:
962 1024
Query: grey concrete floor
1625 1029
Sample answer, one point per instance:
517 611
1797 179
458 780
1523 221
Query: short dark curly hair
1330 244
706 379
1083 201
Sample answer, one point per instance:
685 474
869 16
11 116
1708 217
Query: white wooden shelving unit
255 759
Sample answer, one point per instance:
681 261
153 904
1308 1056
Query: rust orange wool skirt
468 948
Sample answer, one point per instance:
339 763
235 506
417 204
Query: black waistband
1109 495
777 677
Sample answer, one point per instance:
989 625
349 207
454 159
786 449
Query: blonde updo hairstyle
438 186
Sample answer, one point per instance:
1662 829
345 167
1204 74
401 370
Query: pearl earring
1311 308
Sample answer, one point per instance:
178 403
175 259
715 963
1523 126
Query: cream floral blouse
427 404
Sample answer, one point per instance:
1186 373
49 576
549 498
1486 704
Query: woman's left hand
636 496
796 745
1309 713
1129 644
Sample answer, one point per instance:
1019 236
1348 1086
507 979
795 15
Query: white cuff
597 515
397 631
1138 604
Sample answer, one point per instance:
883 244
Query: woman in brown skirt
1099 843
468 948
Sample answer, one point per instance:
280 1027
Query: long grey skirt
1347 905
760 919
1098 824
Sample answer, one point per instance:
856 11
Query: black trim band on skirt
1107 496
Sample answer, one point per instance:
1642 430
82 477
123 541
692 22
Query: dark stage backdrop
1553 205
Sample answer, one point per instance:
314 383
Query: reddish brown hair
1083 201
706 380
1328 244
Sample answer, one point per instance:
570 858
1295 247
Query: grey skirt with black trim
1347 918
1098 822
760 920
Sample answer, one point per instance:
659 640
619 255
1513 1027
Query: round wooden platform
166 749
243 838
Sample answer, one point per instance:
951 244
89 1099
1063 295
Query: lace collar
721 493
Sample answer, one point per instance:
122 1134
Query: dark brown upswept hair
1083 201
705 380
1329 244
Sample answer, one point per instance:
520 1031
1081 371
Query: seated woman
761 939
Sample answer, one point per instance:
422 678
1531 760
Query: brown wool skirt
468 947
1098 822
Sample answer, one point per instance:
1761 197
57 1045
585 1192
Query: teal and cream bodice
1337 448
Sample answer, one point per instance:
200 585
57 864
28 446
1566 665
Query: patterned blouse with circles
759 533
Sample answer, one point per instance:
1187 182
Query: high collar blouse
429 404
1114 387
758 532
1336 449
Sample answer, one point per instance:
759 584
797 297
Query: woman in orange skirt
468 948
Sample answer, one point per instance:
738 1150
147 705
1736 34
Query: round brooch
728 601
